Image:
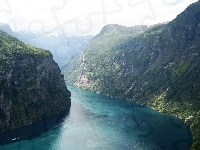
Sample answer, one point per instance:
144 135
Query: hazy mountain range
61 46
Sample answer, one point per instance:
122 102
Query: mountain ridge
157 66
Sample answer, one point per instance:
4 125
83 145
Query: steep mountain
31 85
61 46
158 66
99 50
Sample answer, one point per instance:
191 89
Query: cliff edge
31 85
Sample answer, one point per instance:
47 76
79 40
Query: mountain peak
190 15
187 24
111 27
108 29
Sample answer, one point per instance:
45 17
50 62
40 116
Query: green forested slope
11 47
31 85
158 66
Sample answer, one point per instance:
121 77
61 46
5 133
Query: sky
86 17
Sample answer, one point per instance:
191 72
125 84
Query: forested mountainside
31 85
158 66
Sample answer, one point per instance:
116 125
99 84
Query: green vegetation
11 47
31 84
180 70
158 66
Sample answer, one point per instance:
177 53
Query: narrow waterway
99 122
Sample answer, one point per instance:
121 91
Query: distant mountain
6 28
158 66
61 46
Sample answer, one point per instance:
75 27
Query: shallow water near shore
100 122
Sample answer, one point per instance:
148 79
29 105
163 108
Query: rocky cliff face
157 66
31 85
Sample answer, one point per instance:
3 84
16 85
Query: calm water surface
99 122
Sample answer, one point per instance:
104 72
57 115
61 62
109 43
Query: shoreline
193 144
32 130
149 104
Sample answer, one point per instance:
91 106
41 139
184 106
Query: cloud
77 17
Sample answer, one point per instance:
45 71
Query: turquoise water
99 122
